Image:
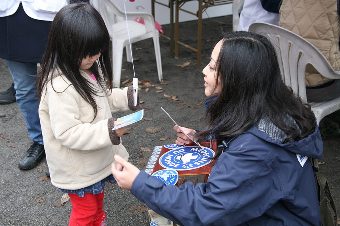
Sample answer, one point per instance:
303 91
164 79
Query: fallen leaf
64 199
166 95
159 87
147 90
141 101
163 138
185 64
126 81
145 149
174 98
159 91
145 83
199 103
153 130
45 178
40 199
147 119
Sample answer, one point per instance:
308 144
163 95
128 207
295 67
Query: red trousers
87 210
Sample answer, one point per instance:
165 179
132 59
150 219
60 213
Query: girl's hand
184 135
124 172
122 131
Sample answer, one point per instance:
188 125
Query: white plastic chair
120 30
294 54
237 8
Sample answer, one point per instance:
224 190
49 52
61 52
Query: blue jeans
25 78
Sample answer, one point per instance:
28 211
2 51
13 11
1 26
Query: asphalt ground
28 197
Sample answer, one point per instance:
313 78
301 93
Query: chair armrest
148 19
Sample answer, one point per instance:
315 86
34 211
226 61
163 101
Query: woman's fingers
124 172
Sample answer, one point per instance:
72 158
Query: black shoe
8 96
33 156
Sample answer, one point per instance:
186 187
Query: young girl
75 110
263 175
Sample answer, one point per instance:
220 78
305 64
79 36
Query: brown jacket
317 21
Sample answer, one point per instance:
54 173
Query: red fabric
87 210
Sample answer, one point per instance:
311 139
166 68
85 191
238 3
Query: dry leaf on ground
174 98
40 199
185 64
125 81
45 178
145 83
64 199
145 149
153 130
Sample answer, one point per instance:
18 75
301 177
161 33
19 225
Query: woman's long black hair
76 32
252 89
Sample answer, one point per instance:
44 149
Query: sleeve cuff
115 139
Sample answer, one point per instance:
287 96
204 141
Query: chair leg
128 53
117 56
158 57
199 32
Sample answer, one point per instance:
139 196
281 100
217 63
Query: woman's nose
204 70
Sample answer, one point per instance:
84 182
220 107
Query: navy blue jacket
258 180
22 38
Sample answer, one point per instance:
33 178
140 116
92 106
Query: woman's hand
184 135
124 172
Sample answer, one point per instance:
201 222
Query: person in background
76 105
7 96
266 11
24 27
263 174
322 30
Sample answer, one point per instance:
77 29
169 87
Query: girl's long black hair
76 32
252 89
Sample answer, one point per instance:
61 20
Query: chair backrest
112 14
294 53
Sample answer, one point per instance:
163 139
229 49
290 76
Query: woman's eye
211 68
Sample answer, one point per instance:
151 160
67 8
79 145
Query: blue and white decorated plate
172 146
168 176
186 158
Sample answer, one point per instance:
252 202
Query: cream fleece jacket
79 151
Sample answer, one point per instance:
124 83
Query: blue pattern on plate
168 176
186 158
172 146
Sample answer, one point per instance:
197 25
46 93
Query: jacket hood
310 146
